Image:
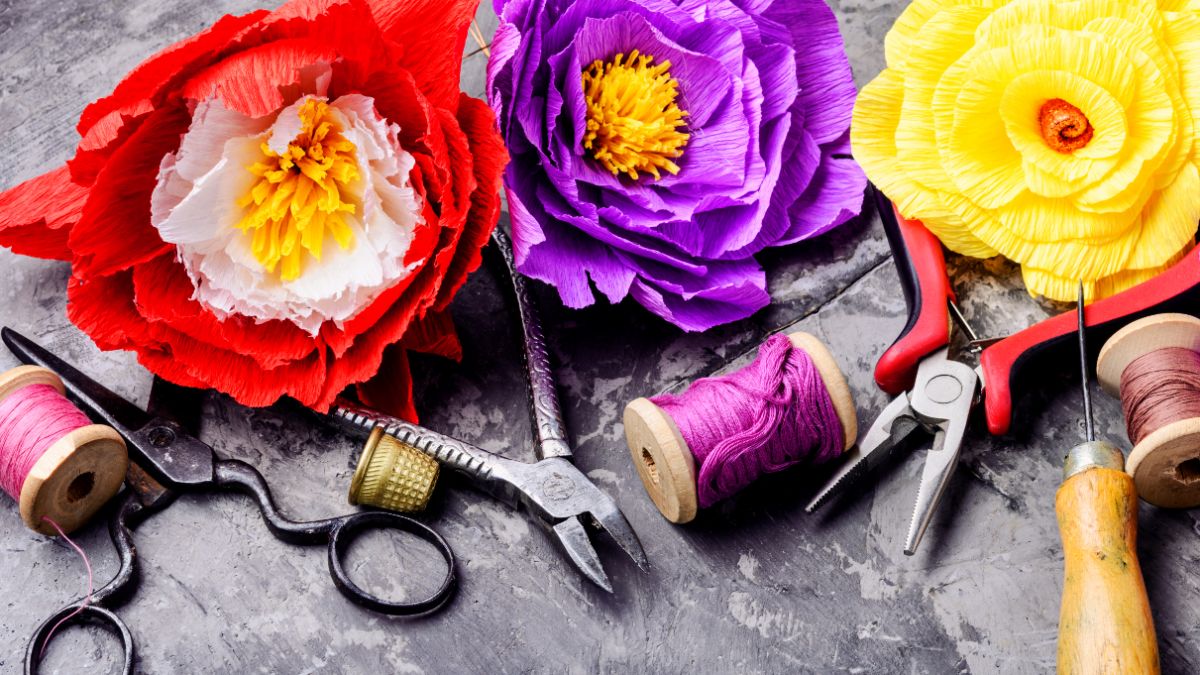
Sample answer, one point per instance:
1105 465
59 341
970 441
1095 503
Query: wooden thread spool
76 475
667 465
1165 464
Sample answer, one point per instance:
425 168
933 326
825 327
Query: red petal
142 88
489 159
37 215
163 294
434 334
249 81
242 377
390 391
114 232
103 308
432 34
95 150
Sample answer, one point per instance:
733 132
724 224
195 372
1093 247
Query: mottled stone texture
755 585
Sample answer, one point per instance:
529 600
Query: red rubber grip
1176 290
922 266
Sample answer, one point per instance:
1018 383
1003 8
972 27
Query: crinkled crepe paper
129 292
950 132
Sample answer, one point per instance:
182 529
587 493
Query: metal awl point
1088 422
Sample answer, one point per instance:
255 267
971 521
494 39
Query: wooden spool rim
76 475
1165 465
1161 331
27 376
666 464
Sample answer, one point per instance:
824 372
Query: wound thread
32 419
1158 388
774 414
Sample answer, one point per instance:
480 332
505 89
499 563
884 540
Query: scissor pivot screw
161 437
558 487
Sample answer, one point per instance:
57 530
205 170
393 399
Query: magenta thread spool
54 462
790 406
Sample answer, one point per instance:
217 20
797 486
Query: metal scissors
164 461
565 501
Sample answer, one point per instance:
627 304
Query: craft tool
565 501
59 466
790 406
918 367
1105 624
166 460
1153 365
393 475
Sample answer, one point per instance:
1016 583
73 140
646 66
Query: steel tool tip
1080 308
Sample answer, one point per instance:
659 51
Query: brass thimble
393 475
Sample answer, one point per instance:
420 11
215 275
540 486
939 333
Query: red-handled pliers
935 392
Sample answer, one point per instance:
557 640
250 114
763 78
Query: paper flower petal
1062 137
767 93
418 181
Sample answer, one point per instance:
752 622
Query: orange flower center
301 194
1064 127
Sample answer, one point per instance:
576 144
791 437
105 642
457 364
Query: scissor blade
93 397
182 405
892 425
574 540
611 520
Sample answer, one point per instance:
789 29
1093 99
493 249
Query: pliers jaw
939 403
564 500
942 398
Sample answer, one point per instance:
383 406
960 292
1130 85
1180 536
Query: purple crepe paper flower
767 92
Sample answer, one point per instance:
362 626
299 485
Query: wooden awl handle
1105 627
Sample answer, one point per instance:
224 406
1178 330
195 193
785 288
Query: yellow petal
943 41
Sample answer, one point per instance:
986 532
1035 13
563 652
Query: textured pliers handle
1105 627
921 265
544 404
1024 357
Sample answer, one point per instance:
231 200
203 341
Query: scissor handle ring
93 614
356 524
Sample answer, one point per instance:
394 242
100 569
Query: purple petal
827 90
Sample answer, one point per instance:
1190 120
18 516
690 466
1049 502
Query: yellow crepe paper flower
1060 135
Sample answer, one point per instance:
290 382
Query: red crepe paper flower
281 205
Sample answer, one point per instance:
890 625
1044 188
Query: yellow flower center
1065 127
302 194
633 120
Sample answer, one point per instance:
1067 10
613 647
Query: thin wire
477 33
1083 368
957 315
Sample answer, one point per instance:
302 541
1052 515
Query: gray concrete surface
755 585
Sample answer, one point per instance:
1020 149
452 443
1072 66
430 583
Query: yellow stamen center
633 121
301 194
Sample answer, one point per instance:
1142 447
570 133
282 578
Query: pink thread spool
74 474
667 466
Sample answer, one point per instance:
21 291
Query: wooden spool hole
1165 465
667 466
76 475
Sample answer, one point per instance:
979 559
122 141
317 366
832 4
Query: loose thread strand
91 586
